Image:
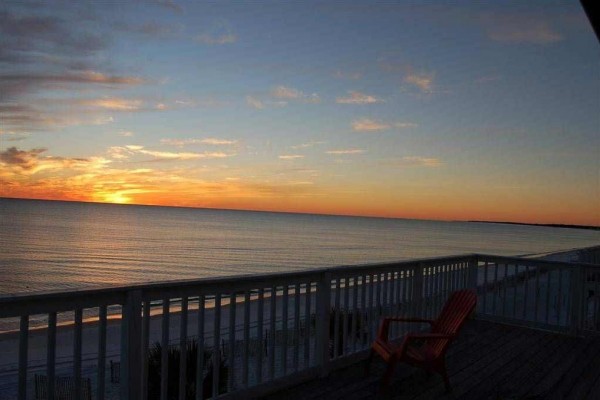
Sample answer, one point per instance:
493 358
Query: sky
462 111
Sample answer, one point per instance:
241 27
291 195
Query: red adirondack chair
425 350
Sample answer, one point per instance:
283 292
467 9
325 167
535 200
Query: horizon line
548 224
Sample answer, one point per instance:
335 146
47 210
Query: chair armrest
415 320
385 325
416 336
413 336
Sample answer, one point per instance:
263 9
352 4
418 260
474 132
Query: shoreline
563 226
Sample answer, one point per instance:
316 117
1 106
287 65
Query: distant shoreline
588 227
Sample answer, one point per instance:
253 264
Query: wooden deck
488 361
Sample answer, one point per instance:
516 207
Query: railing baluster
51 354
23 347
435 291
145 345
336 318
100 388
456 275
246 352
307 322
272 321
430 282
485 286
259 335
559 297
380 285
231 350
504 285
537 293
363 310
496 289
200 355
548 279
284 328
183 322
515 286
373 308
447 279
77 351
354 311
526 292
216 355
392 292
164 351
596 315
297 298
345 315
384 294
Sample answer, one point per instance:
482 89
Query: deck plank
487 360
586 380
515 363
557 367
579 365
538 366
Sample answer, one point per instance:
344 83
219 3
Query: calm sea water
47 245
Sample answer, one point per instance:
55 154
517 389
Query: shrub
174 354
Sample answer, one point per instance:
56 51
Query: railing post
131 346
323 306
577 287
473 266
417 289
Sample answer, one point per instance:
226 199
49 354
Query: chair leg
368 363
389 372
444 373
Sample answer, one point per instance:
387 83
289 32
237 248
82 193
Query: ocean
51 245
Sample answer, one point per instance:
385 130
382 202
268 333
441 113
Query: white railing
254 334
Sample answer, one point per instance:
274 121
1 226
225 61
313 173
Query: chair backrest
452 317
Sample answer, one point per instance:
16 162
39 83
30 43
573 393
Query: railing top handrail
231 281
225 281
532 261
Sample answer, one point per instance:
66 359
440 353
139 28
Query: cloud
369 125
306 145
339 74
345 151
30 38
56 49
415 161
126 133
358 98
165 155
151 29
29 162
288 93
218 33
402 125
209 141
423 81
283 92
290 156
254 102
114 104
222 39
520 29
11 136
25 159
217 142
118 152
21 118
